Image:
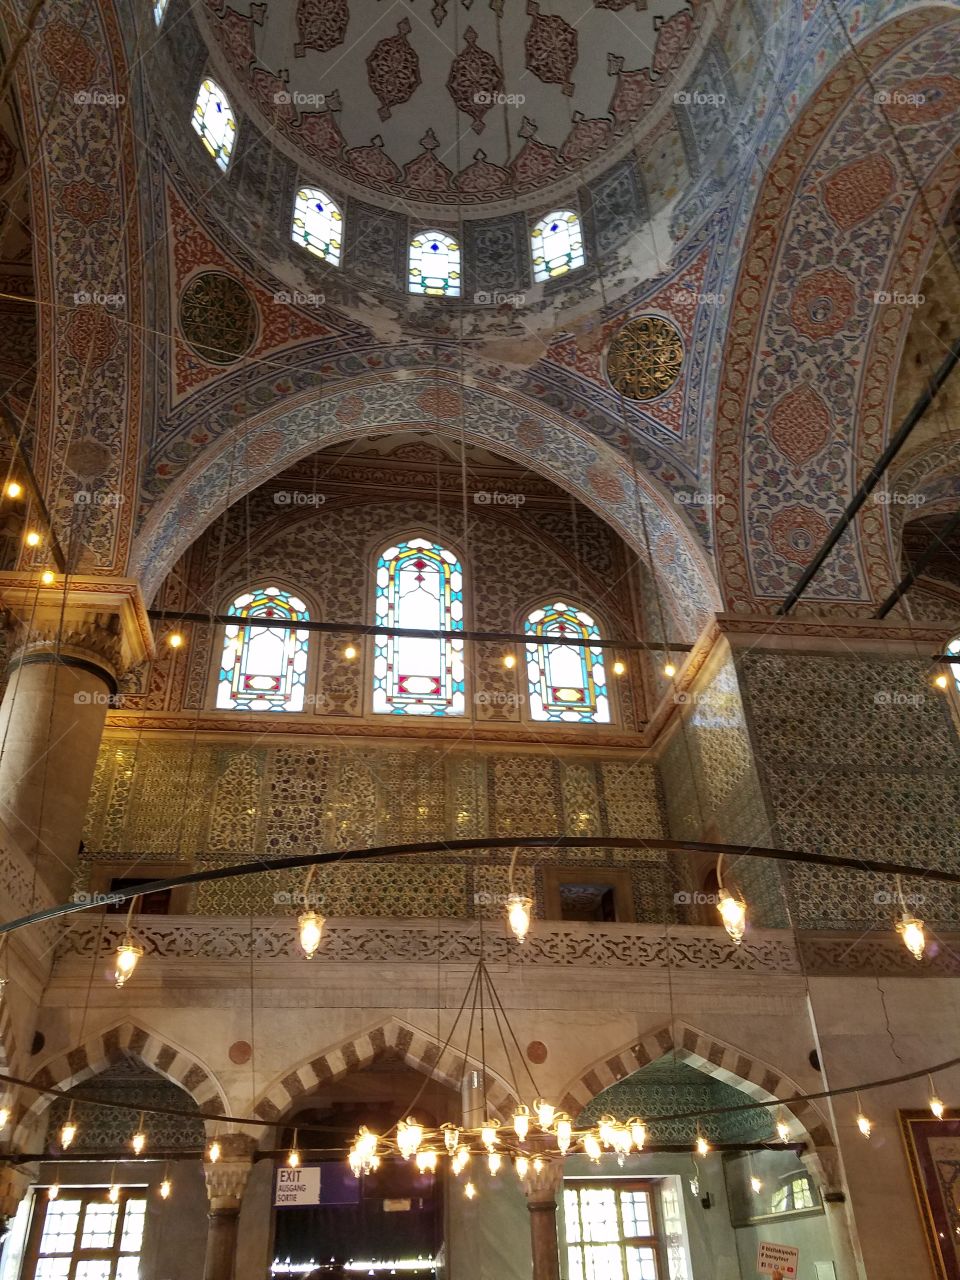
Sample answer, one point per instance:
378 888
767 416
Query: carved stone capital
14 1183
823 1165
227 1177
542 1183
100 621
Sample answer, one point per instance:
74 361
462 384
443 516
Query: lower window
612 1231
84 1236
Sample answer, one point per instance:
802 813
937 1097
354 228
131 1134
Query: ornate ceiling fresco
773 368
456 103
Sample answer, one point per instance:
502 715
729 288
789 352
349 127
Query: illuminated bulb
427 1160
48 578
13 489
460 1161
937 1107
592 1147
914 939
703 1146
4 1116
521 1122
32 539
564 1133
638 1133
606 1131
470 1191
518 915
522 1166
941 681
494 1160
509 661
783 1131
311 932
350 652
293 1159
68 1133
756 1185
53 1191
619 667
488 1133
864 1125
409 1137
451 1137
545 1113
213 1155
538 1165
733 913
165 1189
669 670
138 1142
175 640
113 1195
125 961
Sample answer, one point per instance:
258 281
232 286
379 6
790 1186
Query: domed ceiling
458 103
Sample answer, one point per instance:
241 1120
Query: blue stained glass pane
213 119
318 224
556 242
264 668
566 682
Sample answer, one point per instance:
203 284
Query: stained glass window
318 224
264 668
159 9
566 682
954 647
435 264
557 244
213 119
419 584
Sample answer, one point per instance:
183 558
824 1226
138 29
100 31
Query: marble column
68 649
541 1185
226 1180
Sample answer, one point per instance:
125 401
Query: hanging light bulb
537 1165
494 1161
638 1133
703 1146
53 1190
591 1147
509 661
521 1122
545 1112
488 1133
461 1158
522 1166
4 1117
293 1158
783 1130
733 913
409 1137
32 538
669 670
564 1133
175 640
470 1191
138 1142
48 578
936 1102
165 1188
756 1185
13 489
426 1160
451 1137
213 1153
863 1124
941 681
113 1195
69 1130
311 932
126 959
911 931
518 915
619 667
606 1131
350 652
365 1149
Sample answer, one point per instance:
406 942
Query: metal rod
258 866
921 405
910 577
420 633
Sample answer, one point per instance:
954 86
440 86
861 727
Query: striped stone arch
107 1048
8 1040
758 1080
415 1048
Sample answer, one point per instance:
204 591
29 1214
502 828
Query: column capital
100 621
227 1177
542 1183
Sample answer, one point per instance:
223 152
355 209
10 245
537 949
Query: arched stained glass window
557 245
318 224
213 119
159 9
264 668
435 264
566 682
954 647
419 584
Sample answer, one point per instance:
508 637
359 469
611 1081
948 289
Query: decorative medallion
91 335
799 425
321 24
474 81
393 70
218 317
823 303
796 532
68 54
922 99
551 48
85 202
645 358
858 189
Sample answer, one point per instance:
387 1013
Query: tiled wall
210 804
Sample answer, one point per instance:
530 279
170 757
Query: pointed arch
417 1049
761 1081
64 1071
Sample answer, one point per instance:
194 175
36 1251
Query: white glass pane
603 1262
99 1226
128 1268
598 1212
93 1269
131 1235
575 1264
52 1268
635 1207
60 1226
571 1215
641 1264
